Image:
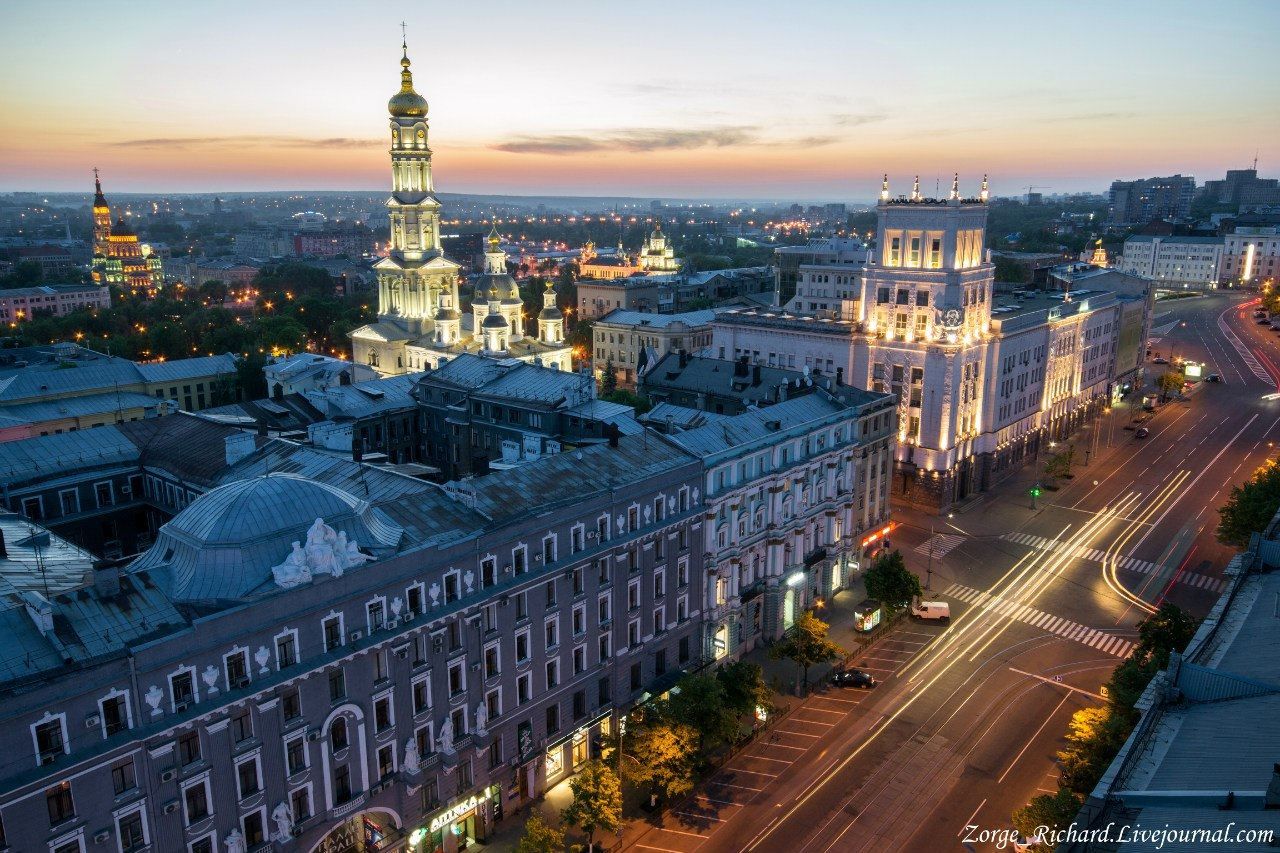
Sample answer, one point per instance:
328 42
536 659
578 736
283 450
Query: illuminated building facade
420 319
657 255
1251 256
925 325
592 264
118 257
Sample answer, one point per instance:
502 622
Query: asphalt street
965 724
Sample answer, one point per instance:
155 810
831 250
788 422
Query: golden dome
406 103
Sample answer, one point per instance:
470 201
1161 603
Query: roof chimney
612 431
262 427
40 611
839 375
106 577
755 374
740 366
357 450
238 446
684 358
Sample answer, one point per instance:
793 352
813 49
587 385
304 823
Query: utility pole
928 579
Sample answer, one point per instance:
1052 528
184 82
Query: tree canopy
890 582
540 837
597 800
806 644
1251 507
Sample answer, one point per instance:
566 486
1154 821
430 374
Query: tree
608 379
1170 382
636 401
540 837
744 687
1056 811
1167 630
889 581
1250 508
1059 464
1094 737
663 753
699 701
597 801
806 644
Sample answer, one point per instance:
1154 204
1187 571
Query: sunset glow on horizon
712 99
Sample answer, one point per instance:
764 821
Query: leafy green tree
1009 270
608 379
628 398
1059 464
663 754
699 701
540 837
1167 630
1170 382
24 273
1094 737
890 582
806 645
1056 811
597 801
1127 682
1251 507
744 687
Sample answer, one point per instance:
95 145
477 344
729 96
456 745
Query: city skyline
708 110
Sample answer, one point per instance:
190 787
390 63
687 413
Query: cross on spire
404 35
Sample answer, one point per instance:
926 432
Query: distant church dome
223 545
406 103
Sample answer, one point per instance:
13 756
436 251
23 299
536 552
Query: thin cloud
858 119
643 140
243 141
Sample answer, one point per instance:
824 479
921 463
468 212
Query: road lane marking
971 817
1143 567
697 817
1057 625
1031 740
1054 683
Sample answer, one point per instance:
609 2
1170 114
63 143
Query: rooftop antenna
1255 161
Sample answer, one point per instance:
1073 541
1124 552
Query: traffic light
1035 491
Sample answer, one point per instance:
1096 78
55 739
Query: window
578 584
188 748
182 687
69 499
291 705
633 633
605 645
633 595
493 703
549 549
522 605
523 691
247 777
130 831
579 620
603 568
338 735
552 631
237 669
659 584
553 673
342 783
300 801
553 718
457 678
575 539
421 694
33 508
579 660
488 572
332 633
123 777
382 717
196 801
295 755
286 650
386 761
61 806
241 727
337 685
491 661
550 589
50 742
636 677
520 559
254 829
659 620
104 494
376 615
660 662
415 601
605 608
602 691
522 645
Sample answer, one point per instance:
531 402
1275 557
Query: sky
706 99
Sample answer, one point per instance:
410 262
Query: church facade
118 257
420 320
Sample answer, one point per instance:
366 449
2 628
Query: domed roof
406 103
223 545
446 314
494 321
551 312
122 228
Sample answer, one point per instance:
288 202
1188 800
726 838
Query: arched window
373 358
338 735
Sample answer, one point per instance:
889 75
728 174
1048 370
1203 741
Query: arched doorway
363 832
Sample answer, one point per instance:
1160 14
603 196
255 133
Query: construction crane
1032 188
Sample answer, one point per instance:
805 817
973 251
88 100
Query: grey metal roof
682 417
82 406
365 398
536 487
623 317
188 368
45 380
538 384
47 456
223 545
38 560
468 371
751 427
717 376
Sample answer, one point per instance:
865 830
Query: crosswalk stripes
1102 641
1142 567
940 544
1245 354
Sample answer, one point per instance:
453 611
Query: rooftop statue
327 552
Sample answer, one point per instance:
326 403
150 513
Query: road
1045 601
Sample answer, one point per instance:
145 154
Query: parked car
1142 432
1263 321
1213 377
852 678
1159 360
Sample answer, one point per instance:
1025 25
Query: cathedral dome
122 229
494 321
224 544
551 312
406 103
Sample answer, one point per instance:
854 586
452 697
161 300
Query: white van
935 611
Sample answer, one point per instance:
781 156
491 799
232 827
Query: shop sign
454 812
